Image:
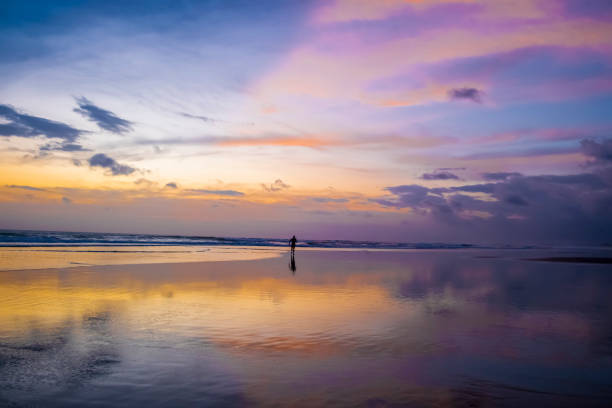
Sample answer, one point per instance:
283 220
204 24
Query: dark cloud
278 185
66 200
515 200
231 193
415 196
601 153
500 175
106 120
22 125
102 160
440 175
171 185
29 188
550 208
471 94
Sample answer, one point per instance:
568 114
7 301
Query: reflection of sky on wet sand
19 258
438 328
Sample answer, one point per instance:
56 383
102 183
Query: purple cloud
471 94
440 175
601 153
543 207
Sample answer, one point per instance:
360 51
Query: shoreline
62 257
572 259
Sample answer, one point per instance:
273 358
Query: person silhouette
293 241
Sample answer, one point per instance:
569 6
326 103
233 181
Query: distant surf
21 238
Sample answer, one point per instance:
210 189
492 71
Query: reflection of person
292 241
292 264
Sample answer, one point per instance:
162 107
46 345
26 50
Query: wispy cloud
230 193
500 175
209 120
278 185
318 141
105 119
29 188
329 200
63 147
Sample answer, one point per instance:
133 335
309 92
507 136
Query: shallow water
375 328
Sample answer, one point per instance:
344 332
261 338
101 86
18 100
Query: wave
19 238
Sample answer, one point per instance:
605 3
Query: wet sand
346 328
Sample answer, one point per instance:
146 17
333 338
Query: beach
440 327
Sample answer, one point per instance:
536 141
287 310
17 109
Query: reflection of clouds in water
45 363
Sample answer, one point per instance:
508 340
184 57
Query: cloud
471 94
601 153
171 185
440 175
106 120
230 193
293 141
329 200
500 175
66 200
515 200
313 141
278 185
29 188
144 182
22 125
544 208
210 120
102 160
63 147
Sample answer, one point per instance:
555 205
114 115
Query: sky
390 120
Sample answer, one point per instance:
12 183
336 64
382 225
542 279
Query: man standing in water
292 241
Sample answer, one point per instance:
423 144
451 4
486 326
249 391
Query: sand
346 328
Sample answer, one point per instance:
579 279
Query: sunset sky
393 120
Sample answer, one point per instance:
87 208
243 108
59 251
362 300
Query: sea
24 238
